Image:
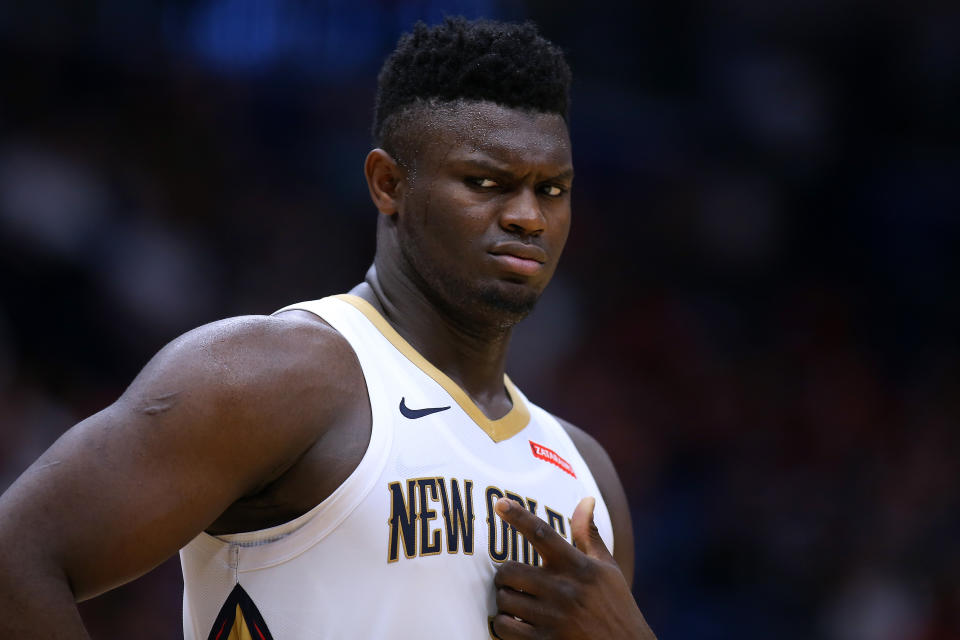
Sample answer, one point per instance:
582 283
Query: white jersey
408 545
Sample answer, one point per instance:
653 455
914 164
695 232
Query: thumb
586 536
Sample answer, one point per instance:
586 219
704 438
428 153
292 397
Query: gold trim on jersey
240 630
501 429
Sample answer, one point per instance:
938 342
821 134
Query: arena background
757 313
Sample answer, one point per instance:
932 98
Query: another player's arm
217 414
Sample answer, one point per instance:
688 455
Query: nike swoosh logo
413 414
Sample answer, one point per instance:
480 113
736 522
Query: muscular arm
612 493
216 415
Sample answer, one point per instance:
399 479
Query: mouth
519 258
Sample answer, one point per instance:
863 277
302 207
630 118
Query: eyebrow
496 168
564 175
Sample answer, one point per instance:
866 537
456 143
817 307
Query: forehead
482 129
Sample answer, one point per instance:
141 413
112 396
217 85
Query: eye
552 190
484 183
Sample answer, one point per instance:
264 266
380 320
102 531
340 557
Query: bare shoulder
249 351
244 363
612 492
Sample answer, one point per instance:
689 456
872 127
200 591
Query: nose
522 214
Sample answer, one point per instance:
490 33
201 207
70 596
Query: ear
385 179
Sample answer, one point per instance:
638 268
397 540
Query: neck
471 352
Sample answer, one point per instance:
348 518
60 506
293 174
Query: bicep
113 497
126 488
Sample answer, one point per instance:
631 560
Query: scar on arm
159 404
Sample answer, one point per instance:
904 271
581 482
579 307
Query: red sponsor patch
551 456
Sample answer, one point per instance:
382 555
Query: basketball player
360 466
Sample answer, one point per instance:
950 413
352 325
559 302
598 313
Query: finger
548 543
520 605
520 577
506 627
584 531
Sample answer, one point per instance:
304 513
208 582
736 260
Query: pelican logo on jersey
427 499
239 619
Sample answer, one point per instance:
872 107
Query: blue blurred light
328 38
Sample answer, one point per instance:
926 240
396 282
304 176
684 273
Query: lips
520 250
519 258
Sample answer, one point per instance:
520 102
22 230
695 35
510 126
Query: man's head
466 61
474 167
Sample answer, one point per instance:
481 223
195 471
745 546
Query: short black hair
471 60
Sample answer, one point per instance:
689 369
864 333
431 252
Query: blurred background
757 313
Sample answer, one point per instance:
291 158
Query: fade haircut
461 60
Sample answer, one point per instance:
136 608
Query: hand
577 593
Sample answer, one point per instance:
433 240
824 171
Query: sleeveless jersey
408 545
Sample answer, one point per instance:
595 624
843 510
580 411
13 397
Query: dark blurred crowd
756 315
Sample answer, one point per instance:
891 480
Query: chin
512 300
488 301
496 305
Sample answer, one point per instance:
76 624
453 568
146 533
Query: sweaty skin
472 226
